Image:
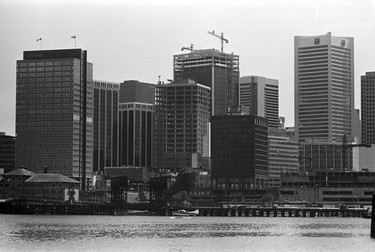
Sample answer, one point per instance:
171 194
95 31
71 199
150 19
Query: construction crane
188 48
220 37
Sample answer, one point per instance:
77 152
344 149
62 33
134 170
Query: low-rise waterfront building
350 188
325 156
202 195
12 183
159 186
50 187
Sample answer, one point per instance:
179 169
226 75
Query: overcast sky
137 39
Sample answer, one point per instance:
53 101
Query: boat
119 212
184 213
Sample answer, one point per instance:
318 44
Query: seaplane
184 213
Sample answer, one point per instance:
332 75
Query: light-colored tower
324 87
54 114
261 95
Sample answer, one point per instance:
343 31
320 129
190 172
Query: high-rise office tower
216 70
261 95
324 87
106 100
182 114
54 113
368 108
136 110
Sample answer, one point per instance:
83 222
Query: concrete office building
106 100
282 156
54 113
324 87
182 114
217 70
261 95
239 154
368 108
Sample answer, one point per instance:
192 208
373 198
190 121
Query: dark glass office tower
106 100
136 110
214 69
239 153
368 108
136 124
54 113
7 148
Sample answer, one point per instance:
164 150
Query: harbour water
154 233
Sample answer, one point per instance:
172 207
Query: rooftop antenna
220 37
41 44
191 49
75 40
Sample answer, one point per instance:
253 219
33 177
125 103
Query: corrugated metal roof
49 177
19 172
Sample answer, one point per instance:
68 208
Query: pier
59 209
109 209
279 212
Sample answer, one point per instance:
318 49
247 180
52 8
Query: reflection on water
166 234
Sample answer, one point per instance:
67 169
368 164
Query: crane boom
188 48
220 37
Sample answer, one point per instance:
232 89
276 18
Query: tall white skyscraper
324 87
261 95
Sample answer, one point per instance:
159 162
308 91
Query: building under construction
214 69
181 125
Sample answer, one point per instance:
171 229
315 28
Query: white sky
137 39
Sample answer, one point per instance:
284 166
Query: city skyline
135 33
